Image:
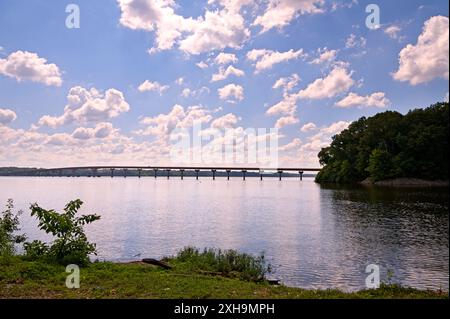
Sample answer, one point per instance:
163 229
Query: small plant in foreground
226 262
9 224
390 275
71 244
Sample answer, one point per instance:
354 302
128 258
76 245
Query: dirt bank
407 182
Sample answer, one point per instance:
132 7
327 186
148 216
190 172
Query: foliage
71 244
390 145
36 249
380 165
9 225
226 262
36 279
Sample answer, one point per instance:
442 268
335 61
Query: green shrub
36 249
226 262
9 225
71 244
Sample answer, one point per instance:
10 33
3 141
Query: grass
227 263
20 278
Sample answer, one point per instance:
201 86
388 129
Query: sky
120 82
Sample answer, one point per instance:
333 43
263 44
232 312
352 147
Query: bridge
71 171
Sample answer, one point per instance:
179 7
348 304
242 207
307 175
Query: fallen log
274 282
155 262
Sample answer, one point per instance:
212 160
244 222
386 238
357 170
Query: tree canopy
390 145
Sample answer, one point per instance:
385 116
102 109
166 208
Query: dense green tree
380 164
390 145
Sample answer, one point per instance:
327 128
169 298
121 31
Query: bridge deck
187 168
71 170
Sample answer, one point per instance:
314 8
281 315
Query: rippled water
315 237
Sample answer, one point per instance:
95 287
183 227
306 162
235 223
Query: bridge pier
214 174
279 174
301 175
243 174
228 174
168 173
139 172
125 170
112 172
182 173
261 175
156 173
196 173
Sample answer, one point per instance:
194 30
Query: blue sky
361 73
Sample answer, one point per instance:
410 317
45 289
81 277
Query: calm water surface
315 237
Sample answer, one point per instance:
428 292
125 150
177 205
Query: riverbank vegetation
226 263
390 145
21 278
71 245
192 273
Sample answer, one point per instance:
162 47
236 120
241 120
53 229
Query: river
314 236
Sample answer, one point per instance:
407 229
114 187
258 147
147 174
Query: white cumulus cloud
202 65
286 120
308 127
293 145
339 80
377 99
325 55
179 117
265 59
428 58
355 42
323 138
225 73
88 106
279 13
393 31
7 116
28 66
231 92
287 106
101 130
215 30
287 83
152 86
227 121
226 58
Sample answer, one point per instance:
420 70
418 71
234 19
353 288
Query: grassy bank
34 279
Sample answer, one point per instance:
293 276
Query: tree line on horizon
390 145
